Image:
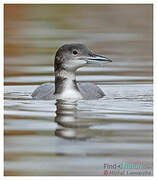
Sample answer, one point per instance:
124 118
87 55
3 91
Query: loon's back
87 90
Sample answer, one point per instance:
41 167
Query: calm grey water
78 138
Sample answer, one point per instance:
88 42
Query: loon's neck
66 86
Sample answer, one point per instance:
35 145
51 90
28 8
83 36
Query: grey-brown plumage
67 60
87 90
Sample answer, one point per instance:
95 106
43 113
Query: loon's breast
86 91
68 59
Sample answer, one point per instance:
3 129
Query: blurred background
33 33
61 138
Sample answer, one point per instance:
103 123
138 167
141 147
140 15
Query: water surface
78 138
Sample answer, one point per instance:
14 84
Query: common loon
68 59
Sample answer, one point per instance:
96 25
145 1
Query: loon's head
70 57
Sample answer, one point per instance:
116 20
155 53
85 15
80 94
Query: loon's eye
75 52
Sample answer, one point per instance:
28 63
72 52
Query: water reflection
41 133
66 116
69 138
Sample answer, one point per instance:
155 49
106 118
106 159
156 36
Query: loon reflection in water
68 59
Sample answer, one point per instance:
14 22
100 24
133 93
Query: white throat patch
69 90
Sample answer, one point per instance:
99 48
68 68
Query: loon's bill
68 59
